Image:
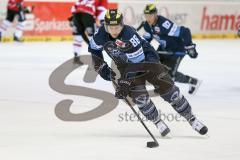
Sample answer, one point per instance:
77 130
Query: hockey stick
151 144
140 26
165 52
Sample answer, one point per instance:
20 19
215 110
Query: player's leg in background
20 26
171 93
89 24
168 61
78 31
164 59
173 63
141 98
7 22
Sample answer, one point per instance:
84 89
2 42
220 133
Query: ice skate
198 126
163 128
194 84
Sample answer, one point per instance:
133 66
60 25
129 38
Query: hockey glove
191 51
106 72
28 9
162 45
122 89
71 23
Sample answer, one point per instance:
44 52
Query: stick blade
152 144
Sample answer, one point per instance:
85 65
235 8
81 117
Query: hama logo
214 22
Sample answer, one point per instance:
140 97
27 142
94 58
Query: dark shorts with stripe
11 14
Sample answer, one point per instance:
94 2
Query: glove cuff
190 46
101 67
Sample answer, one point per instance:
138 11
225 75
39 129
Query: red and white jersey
14 4
97 8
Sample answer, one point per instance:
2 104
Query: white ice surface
29 129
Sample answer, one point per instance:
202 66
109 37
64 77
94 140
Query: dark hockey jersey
128 47
14 4
170 36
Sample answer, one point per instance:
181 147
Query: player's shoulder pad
164 22
100 31
161 18
128 31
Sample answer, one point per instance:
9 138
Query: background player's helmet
150 9
113 17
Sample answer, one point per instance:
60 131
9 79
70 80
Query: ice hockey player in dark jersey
174 42
15 8
84 15
126 48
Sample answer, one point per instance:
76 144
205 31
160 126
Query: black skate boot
0 37
198 126
16 39
162 127
76 59
194 85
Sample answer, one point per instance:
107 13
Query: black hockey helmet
150 9
113 17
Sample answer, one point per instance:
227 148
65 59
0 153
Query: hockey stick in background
165 52
140 26
151 144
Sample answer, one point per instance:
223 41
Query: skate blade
168 136
207 135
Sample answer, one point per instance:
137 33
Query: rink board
206 19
